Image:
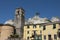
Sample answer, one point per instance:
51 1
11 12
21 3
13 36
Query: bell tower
19 21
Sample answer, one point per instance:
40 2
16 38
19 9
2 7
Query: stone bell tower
19 21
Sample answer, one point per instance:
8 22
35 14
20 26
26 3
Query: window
59 33
40 31
40 26
49 37
33 35
44 37
14 31
34 26
27 32
54 26
18 12
27 26
55 37
27 38
35 32
44 27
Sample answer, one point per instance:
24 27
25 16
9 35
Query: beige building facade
5 31
44 31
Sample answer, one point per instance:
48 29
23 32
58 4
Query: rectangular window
40 32
55 37
34 26
27 38
44 27
44 37
54 26
27 32
27 26
35 32
59 34
49 37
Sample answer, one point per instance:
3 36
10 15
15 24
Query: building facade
44 31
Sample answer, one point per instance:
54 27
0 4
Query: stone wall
6 31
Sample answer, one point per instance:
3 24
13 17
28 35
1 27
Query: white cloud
9 22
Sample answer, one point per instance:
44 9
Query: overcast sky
46 8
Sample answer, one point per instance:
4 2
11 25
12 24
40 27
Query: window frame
55 37
44 37
54 26
49 37
34 26
44 27
28 26
27 32
28 38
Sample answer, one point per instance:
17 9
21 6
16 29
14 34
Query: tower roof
37 13
20 8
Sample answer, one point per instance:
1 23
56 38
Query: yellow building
43 31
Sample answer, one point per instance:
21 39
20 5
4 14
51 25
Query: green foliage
14 36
